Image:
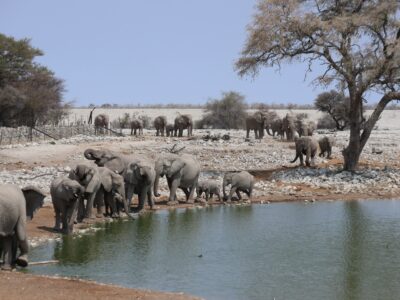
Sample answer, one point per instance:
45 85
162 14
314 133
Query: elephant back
12 208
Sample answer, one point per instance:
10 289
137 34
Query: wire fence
21 135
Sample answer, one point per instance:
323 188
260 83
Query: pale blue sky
153 51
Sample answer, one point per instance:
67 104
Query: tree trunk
351 154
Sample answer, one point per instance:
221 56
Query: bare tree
356 40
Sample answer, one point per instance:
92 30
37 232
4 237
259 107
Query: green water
330 250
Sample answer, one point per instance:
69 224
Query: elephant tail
294 160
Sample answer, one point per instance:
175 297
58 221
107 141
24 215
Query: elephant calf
16 206
240 182
307 146
66 194
209 188
325 146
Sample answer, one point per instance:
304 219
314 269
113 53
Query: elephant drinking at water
182 171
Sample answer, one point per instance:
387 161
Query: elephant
66 193
325 145
139 178
112 193
89 178
170 128
182 171
289 127
241 181
100 122
209 188
159 124
16 206
276 127
183 122
137 124
306 146
257 123
109 159
305 128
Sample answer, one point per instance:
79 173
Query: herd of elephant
110 183
108 186
181 122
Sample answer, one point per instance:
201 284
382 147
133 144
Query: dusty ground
268 160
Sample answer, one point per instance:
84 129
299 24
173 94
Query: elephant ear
34 199
93 181
116 165
107 181
176 166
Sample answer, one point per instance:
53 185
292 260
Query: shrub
326 122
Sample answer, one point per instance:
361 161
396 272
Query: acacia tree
356 40
336 105
229 112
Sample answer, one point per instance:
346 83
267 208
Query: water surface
327 250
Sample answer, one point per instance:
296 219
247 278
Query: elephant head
226 181
34 199
115 184
106 158
168 165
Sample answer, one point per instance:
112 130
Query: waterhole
326 250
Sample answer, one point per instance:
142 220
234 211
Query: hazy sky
149 51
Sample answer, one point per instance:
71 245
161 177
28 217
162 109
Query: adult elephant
16 206
257 123
289 127
66 193
275 127
112 193
183 122
159 124
89 178
105 158
307 146
136 127
100 123
139 178
181 171
240 182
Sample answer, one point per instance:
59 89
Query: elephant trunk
224 184
88 154
73 216
156 194
268 132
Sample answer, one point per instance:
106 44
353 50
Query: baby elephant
325 145
209 188
66 194
240 182
307 146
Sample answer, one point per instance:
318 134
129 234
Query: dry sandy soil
268 160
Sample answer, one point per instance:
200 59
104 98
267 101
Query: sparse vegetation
229 112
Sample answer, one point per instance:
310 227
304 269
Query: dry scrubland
277 179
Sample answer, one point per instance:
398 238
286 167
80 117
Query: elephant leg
247 133
58 219
99 203
301 159
89 206
231 192
172 192
208 195
23 245
180 132
238 194
308 154
150 199
81 210
7 253
142 198
131 131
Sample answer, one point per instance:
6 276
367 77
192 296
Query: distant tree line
30 93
